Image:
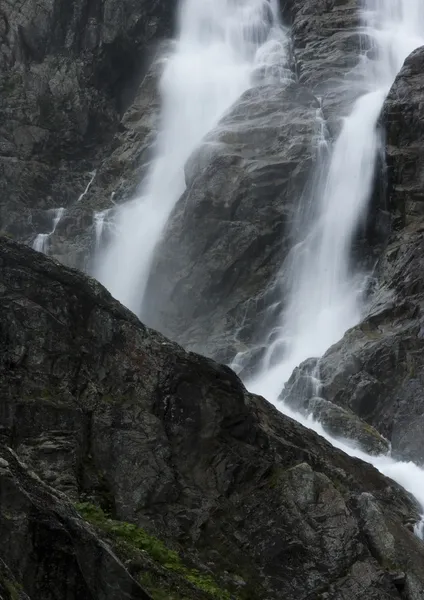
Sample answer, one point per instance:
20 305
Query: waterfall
85 192
325 295
220 44
41 241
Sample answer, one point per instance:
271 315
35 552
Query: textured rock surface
377 369
225 241
403 121
69 69
67 121
326 46
300 394
114 414
50 550
117 178
227 238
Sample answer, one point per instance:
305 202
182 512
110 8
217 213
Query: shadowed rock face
69 70
49 548
402 119
113 414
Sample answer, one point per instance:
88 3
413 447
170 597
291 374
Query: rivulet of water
41 241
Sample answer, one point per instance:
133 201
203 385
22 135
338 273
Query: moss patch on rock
131 541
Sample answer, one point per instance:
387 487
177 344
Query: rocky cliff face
258 160
69 71
193 487
129 467
102 120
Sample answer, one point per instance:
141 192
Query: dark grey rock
69 70
51 551
114 414
403 121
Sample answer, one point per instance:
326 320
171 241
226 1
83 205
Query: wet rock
326 48
131 425
117 178
226 238
344 424
376 370
302 394
403 121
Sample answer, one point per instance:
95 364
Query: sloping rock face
128 423
377 370
69 70
49 547
326 45
402 118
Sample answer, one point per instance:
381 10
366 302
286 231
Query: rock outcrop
49 548
403 123
203 482
213 280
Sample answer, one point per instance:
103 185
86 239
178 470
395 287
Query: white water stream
41 241
220 44
325 297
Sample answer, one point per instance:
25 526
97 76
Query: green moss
130 536
340 486
275 476
11 82
108 399
13 589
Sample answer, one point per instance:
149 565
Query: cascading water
325 296
221 43
41 242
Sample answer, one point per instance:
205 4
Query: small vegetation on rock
130 538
